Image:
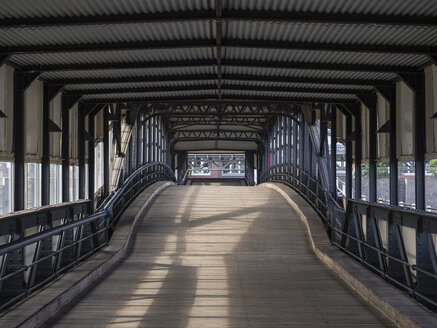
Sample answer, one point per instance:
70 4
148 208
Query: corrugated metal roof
124 56
168 94
380 7
30 43
117 73
186 83
274 94
64 8
307 56
259 71
106 33
294 85
331 33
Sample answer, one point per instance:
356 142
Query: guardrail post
13 261
426 259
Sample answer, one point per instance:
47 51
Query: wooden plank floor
220 256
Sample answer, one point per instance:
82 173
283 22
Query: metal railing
394 242
243 176
29 262
306 186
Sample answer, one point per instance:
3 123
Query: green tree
381 170
433 167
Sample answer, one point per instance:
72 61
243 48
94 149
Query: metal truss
217 133
178 121
217 110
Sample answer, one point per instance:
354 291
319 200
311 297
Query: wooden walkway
220 256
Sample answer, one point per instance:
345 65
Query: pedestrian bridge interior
218 163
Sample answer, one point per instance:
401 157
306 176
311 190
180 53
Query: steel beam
196 99
223 86
219 42
286 16
226 62
225 77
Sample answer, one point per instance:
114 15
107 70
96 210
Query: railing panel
45 242
397 243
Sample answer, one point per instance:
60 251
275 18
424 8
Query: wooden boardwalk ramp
220 256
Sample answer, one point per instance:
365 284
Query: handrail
346 231
187 172
76 240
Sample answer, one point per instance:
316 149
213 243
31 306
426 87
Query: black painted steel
420 280
78 235
45 160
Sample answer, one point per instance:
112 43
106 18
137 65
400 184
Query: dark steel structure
282 81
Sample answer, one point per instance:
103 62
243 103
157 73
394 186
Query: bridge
218 163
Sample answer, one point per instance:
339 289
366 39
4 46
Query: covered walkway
220 256
107 107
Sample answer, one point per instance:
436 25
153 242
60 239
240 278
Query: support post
420 139
333 159
372 153
81 149
302 142
21 82
358 152
144 124
45 161
389 93
139 142
348 156
295 143
106 182
91 164
393 157
65 149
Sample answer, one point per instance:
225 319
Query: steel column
45 161
302 142
348 156
144 124
420 139
372 153
81 150
91 164
21 82
150 139
358 152
393 156
106 183
65 149
333 159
